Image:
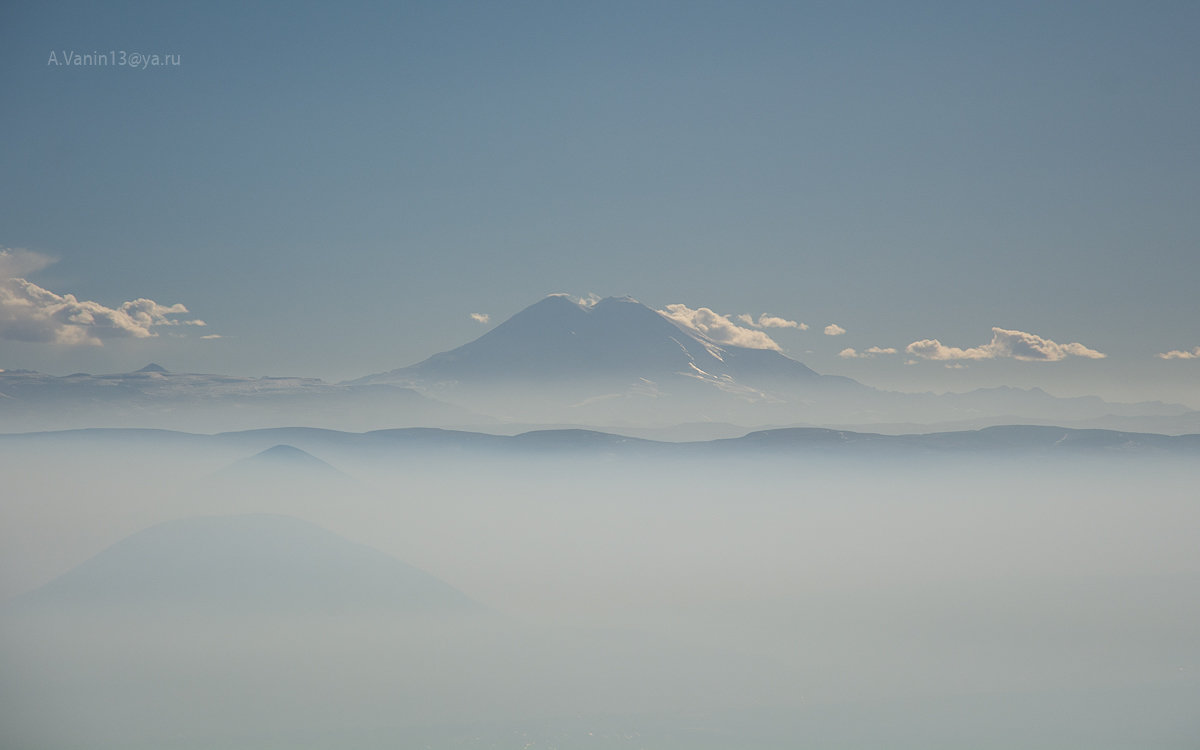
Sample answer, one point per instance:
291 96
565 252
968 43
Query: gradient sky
334 190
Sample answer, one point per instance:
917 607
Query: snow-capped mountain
615 338
619 362
613 358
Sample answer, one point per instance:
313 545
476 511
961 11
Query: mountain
991 442
616 338
295 471
156 397
795 442
615 359
249 563
282 475
618 362
283 460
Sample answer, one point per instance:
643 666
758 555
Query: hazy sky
334 190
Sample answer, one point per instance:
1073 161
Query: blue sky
334 190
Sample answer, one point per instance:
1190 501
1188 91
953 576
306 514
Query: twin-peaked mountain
562 359
611 361
615 339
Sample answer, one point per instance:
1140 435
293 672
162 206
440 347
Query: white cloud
211 336
30 313
833 329
849 353
718 328
1005 344
766 320
1181 354
481 317
956 366
15 262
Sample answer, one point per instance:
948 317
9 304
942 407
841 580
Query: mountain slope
616 337
615 359
154 397
282 460
250 563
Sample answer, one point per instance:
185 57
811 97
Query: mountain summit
562 356
614 337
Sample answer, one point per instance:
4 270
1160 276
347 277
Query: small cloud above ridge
1180 354
1005 344
766 320
850 353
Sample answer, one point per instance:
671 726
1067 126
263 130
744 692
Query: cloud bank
481 317
833 329
718 328
15 262
32 314
1005 344
849 353
1180 354
766 320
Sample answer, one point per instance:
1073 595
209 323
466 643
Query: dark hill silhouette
294 462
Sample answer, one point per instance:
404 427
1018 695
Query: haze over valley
469 590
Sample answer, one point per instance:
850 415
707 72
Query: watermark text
115 58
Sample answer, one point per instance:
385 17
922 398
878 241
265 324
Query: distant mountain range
302 459
612 364
155 397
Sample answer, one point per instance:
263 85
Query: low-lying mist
623 599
